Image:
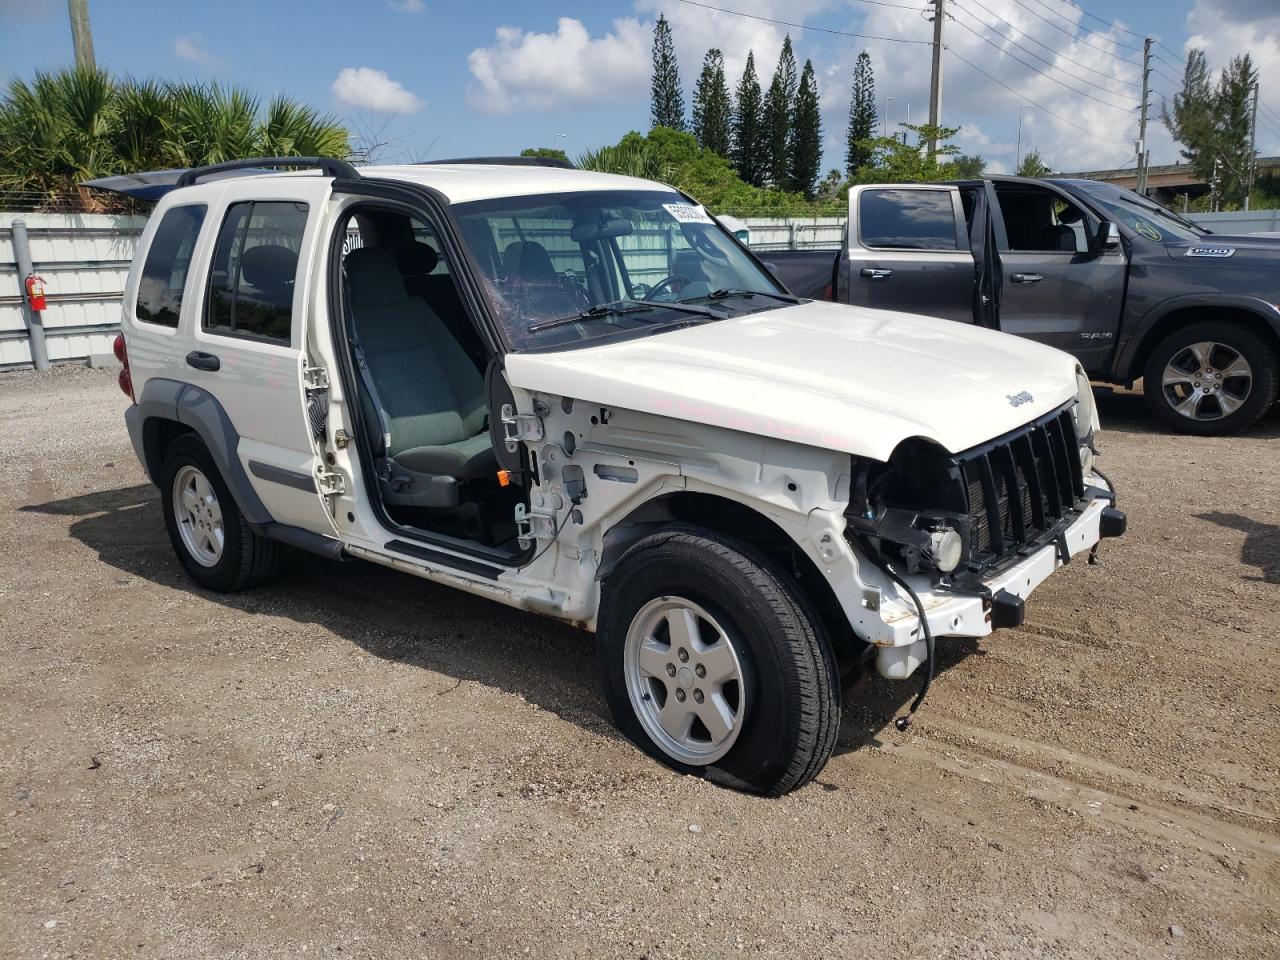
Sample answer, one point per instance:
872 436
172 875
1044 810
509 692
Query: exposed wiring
555 536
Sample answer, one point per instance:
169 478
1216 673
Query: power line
1057 54
1043 109
1079 39
1035 69
1122 46
804 26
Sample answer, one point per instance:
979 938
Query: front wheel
714 664
1211 378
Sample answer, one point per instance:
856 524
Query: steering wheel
664 284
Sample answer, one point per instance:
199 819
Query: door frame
411 201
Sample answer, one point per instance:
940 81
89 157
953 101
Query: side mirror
1108 236
770 266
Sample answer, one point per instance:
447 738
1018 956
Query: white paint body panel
822 374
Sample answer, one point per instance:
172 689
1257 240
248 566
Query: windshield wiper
618 307
726 293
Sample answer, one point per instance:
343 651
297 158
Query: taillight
126 379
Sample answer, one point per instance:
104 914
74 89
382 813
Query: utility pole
935 80
1253 147
1142 117
81 35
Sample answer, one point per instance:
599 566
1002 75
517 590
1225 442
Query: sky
431 79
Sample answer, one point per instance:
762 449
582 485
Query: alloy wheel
1207 380
198 515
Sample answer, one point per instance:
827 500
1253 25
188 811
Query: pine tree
666 107
748 129
1233 109
712 108
862 115
1191 121
779 115
806 141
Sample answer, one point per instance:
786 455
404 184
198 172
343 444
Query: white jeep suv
577 394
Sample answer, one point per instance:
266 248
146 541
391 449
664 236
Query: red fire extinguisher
35 291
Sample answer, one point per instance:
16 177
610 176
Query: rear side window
907 219
255 265
164 274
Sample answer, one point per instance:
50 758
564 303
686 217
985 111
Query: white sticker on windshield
687 212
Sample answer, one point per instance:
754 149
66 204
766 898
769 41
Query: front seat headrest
269 265
374 278
415 258
528 261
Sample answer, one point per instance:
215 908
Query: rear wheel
215 544
714 664
1211 378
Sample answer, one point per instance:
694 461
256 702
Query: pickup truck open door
908 249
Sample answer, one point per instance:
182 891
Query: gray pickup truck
1130 288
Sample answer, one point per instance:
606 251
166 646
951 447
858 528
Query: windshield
606 262
1144 217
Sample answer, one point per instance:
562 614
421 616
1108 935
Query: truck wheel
213 541
1211 378
714 665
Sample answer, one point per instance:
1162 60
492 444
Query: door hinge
315 378
531 526
329 482
517 427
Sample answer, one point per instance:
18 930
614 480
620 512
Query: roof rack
508 162
330 166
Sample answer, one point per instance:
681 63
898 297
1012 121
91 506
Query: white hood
822 374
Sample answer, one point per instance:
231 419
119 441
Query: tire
785 701
1182 397
213 541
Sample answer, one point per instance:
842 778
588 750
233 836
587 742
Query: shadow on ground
398 617
1127 412
1261 546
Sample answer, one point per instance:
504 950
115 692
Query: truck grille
1022 487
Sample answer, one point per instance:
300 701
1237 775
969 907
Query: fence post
35 325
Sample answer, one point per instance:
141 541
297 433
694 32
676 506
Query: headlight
947 548
1085 411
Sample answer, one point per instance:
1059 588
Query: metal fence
84 260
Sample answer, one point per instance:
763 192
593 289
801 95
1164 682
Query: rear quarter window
255 267
907 219
164 273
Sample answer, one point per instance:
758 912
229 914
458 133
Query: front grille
1022 488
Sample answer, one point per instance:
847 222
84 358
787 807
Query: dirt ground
355 763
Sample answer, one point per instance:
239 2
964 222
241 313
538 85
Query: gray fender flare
187 404
1150 320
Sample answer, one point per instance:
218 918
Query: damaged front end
962 518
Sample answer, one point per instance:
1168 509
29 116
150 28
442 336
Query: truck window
1041 221
165 272
907 219
255 264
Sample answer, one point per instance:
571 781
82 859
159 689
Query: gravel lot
356 763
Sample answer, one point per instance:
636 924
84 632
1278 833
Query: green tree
748 127
830 188
967 166
1033 165
806 138
1190 118
862 115
779 117
666 107
1233 109
712 106
551 153
78 124
892 160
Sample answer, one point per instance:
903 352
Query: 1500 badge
1210 251
1018 399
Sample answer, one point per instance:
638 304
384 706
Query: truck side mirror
770 266
1108 236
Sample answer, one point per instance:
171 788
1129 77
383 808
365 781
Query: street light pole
887 100
81 36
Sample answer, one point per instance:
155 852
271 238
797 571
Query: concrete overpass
1168 181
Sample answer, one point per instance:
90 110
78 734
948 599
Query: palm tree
67 127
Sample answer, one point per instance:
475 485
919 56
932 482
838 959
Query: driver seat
419 386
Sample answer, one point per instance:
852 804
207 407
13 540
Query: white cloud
1228 28
525 70
191 47
370 89
408 6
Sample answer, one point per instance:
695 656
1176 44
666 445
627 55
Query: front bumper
897 630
